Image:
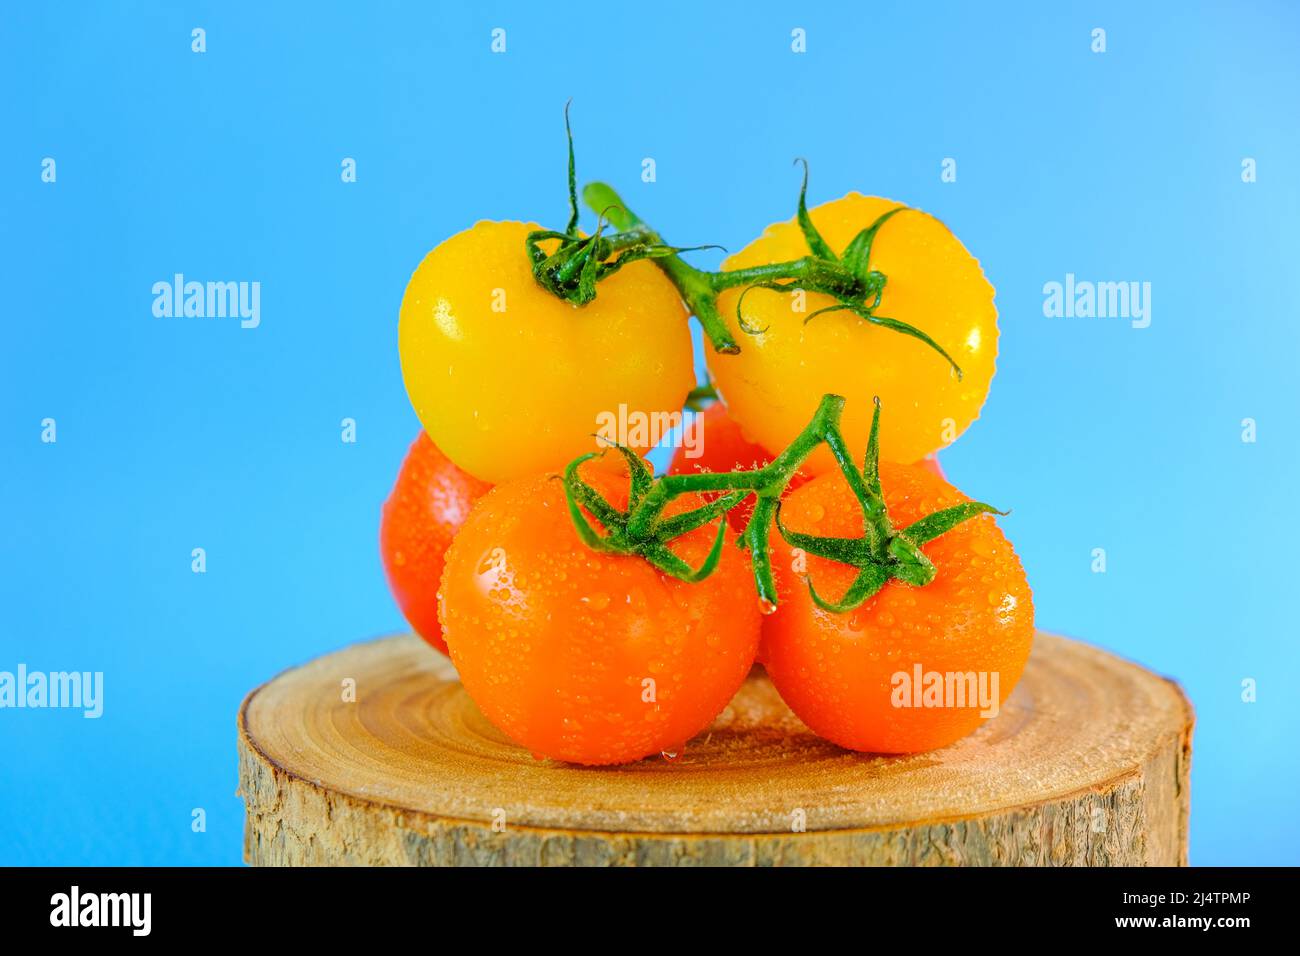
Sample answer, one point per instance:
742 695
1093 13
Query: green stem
824 276
695 286
757 536
573 270
855 290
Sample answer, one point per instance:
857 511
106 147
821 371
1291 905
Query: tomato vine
577 263
575 267
883 552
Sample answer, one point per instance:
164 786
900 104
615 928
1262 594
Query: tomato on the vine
509 379
429 502
590 657
789 358
852 677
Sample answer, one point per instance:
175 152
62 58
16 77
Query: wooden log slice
1087 764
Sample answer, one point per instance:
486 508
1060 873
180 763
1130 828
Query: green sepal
573 174
869 581
857 254
941 522
669 563
894 325
841 550
640 477
820 248
740 303
871 461
698 517
580 492
577 494
836 307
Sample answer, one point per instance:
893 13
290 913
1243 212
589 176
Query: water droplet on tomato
491 561
673 753
766 607
597 602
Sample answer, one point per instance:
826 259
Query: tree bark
1086 765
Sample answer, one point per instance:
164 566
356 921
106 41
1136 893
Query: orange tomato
853 677
428 504
583 656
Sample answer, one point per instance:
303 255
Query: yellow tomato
773 385
509 380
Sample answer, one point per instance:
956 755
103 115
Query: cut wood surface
1087 764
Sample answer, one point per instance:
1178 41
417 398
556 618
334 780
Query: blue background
183 433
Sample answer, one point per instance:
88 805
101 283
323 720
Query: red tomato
428 504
